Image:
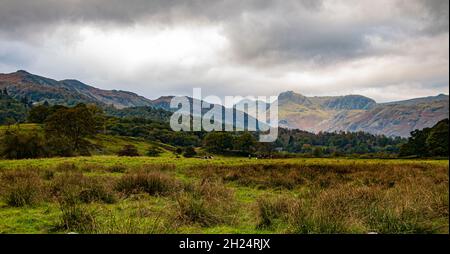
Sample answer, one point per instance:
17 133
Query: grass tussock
318 176
271 209
117 168
22 188
136 218
206 203
83 189
407 208
76 217
66 167
153 183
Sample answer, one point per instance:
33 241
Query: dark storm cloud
436 15
292 32
19 14
317 46
260 31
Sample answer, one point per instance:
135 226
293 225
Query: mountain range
296 111
359 113
38 89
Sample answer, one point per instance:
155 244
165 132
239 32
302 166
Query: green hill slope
102 144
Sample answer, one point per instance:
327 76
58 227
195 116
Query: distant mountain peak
165 98
293 97
289 94
23 72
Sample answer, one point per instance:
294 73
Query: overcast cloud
386 49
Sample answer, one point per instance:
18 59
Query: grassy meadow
110 194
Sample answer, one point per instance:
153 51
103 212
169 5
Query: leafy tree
416 144
317 151
265 148
218 142
38 114
11 110
437 141
428 142
60 146
246 143
74 125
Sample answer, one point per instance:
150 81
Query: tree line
67 131
428 142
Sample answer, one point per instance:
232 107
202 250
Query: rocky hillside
38 89
296 111
70 92
359 113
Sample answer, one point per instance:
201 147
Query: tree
246 143
317 151
11 110
416 144
218 142
74 125
38 114
189 152
437 140
266 148
428 142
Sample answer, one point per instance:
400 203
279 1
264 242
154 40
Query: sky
386 49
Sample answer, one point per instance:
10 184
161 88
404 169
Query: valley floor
110 194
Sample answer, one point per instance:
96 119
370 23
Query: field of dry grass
107 194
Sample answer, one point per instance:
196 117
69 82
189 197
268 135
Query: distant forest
66 130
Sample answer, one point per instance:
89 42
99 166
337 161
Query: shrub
179 150
154 151
128 150
18 145
153 183
22 188
189 152
95 190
